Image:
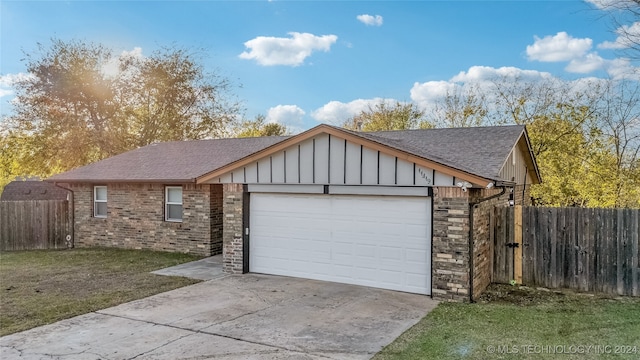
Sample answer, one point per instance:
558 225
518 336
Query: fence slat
35 224
593 250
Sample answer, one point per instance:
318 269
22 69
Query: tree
585 135
624 16
259 127
81 104
383 117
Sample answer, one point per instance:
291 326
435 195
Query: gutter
472 206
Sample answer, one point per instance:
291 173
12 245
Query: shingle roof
177 161
476 150
480 151
32 190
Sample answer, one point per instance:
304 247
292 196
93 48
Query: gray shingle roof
177 161
32 190
479 151
476 150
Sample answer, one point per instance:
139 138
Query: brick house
401 210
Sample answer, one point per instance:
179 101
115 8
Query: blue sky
305 62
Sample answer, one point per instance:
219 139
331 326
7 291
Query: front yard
39 287
523 323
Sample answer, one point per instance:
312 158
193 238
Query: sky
301 63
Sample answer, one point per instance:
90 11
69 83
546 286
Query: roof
32 190
477 151
176 161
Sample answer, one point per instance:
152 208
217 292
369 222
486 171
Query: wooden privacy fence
594 250
35 224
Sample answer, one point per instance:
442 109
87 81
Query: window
173 203
100 201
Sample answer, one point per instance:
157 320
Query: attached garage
377 241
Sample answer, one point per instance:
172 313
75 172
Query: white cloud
8 81
619 69
560 47
336 112
112 67
611 4
625 33
269 51
586 64
428 92
289 115
487 73
370 20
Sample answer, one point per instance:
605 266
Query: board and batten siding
515 167
327 159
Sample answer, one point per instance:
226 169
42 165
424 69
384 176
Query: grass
529 323
39 287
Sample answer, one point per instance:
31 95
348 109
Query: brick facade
232 229
135 219
450 256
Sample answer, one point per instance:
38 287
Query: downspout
471 207
71 241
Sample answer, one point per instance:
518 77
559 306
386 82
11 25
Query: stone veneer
232 229
450 247
135 218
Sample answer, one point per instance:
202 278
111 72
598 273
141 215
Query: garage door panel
377 241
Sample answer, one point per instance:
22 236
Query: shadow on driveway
247 316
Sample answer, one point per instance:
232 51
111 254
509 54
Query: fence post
517 238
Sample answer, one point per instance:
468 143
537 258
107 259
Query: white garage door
377 241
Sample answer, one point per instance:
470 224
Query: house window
173 203
100 201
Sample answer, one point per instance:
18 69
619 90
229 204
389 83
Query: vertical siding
321 162
306 162
353 157
387 169
336 160
369 167
332 160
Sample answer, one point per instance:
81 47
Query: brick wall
135 219
450 278
232 228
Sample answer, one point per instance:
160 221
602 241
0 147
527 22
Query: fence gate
35 224
504 245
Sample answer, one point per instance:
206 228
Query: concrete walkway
247 316
206 269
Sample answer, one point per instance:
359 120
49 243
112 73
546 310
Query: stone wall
135 219
450 265
232 229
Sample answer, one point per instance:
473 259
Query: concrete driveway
247 316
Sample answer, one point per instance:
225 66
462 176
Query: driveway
247 316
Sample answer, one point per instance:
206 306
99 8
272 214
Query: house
401 210
32 189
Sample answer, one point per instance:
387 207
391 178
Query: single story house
32 189
401 210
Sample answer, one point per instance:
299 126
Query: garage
369 240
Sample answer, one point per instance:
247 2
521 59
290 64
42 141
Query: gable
520 166
326 155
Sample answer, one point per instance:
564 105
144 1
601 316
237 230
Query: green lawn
524 324
39 287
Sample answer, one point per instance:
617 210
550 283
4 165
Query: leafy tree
383 117
81 104
259 127
585 136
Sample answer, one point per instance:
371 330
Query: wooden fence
594 250
35 224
